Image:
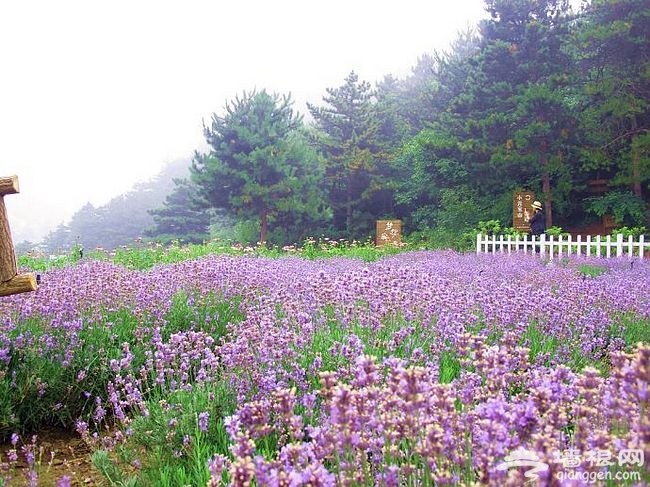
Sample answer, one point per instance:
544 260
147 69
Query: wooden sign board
522 210
389 232
10 281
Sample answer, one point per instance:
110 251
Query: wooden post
10 281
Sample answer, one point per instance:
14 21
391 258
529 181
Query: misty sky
96 96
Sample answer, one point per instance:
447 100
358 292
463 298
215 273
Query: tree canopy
260 164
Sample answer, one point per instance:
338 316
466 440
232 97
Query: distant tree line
537 97
118 222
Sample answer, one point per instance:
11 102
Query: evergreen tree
430 166
434 81
513 117
347 134
259 165
611 46
180 218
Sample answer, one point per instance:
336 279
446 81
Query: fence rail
551 246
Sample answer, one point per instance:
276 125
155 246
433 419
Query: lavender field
422 368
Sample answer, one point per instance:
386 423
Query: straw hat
537 205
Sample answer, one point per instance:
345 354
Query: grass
145 256
159 441
590 270
539 343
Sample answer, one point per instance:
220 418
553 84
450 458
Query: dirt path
58 453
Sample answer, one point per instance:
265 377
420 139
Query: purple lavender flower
64 481
203 421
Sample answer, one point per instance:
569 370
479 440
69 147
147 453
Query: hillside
119 222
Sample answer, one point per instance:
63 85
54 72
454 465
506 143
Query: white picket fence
551 247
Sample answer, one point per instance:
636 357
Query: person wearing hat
538 221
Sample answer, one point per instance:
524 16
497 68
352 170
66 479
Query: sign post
522 210
10 281
388 232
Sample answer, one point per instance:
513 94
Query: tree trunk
22 283
636 165
546 187
636 173
8 267
348 210
264 224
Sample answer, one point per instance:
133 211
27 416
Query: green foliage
624 206
170 445
76 253
247 231
441 238
347 134
181 217
590 270
459 209
514 232
510 119
632 329
556 231
496 115
449 367
324 247
466 127
490 227
145 257
260 164
539 342
169 459
114 476
614 102
201 312
120 221
39 264
53 388
428 164
629 232
448 224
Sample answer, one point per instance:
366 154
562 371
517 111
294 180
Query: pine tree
180 218
347 132
611 46
259 165
514 117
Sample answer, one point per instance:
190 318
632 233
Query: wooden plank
18 284
630 248
9 185
7 254
619 245
641 247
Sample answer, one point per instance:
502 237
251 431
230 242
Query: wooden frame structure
10 281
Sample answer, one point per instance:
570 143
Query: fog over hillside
118 222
